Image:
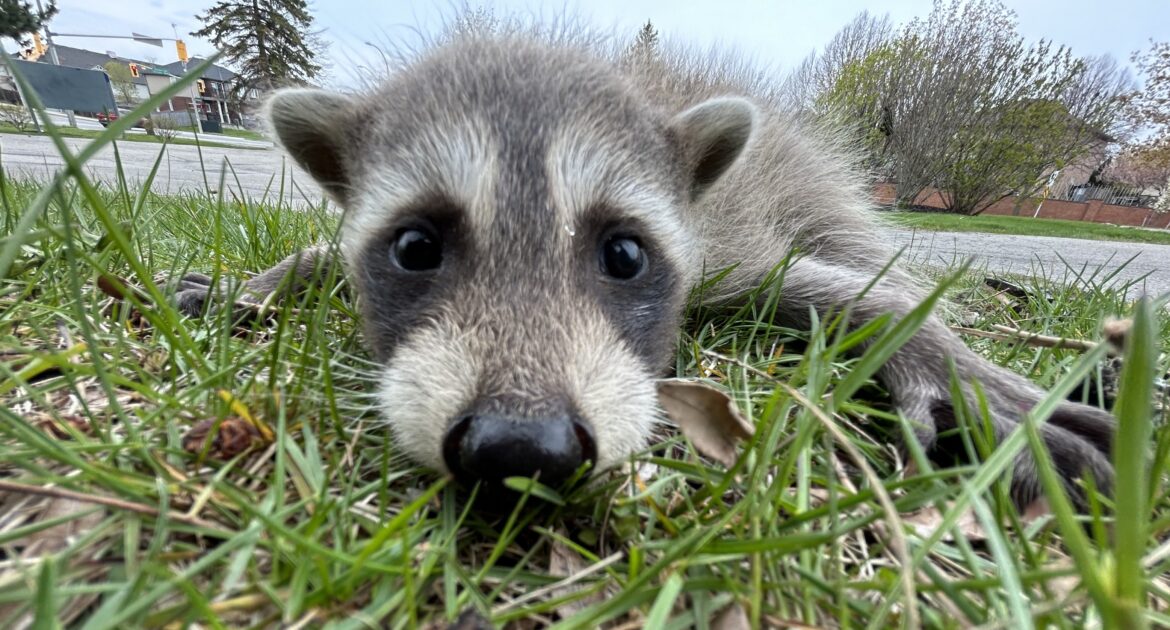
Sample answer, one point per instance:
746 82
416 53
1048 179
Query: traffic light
202 86
181 49
134 70
34 52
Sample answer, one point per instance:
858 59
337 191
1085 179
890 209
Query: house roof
214 72
71 57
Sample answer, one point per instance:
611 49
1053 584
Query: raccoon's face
515 230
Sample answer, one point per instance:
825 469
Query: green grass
110 518
244 133
70 132
228 131
941 222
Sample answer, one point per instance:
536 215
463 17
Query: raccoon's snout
492 447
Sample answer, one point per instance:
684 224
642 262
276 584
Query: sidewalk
218 138
83 122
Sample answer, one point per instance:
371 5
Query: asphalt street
256 172
1060 260
260 172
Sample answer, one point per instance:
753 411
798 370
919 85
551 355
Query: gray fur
522 155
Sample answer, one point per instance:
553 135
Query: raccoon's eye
622 257
417 250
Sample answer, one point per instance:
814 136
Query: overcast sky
777 32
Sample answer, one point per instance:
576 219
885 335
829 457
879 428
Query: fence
1111 195
1091 209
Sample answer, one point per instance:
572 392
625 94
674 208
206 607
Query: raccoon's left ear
712 136
311 125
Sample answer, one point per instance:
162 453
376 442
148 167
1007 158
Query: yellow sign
181 49
34 52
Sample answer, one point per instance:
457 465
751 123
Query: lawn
229 131
244 133
942 222
160 471
72 132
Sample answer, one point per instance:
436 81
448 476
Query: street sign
68 88
147 39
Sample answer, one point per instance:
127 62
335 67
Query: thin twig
1007 333
568 581
138 508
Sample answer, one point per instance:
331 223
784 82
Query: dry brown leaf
118 288
21 509
733 617
234 436
707 416
927 520
56 538
1063 587
55 426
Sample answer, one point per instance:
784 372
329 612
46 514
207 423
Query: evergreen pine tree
18 19
646 43
268 41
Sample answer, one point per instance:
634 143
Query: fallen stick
1007 333
129 506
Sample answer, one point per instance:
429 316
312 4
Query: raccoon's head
516 227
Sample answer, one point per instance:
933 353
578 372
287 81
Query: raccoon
524 220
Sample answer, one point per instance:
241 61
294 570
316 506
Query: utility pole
180 47
31 112
56 61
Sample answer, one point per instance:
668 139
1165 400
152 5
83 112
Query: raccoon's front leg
918 377
193 292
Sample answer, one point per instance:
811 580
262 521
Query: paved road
258 170
1058 259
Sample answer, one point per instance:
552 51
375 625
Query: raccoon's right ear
311 125
712 136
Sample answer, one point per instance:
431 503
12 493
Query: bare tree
958 101
163 127
16 116
1149 112
1100 94
1150 106
1141 167
820 71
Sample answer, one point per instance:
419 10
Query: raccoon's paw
191 294
196 295
1079 438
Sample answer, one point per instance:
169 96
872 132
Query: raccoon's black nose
493 447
